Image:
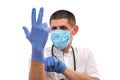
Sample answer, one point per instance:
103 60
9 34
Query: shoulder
83 54
82 51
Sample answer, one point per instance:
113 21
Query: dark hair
64 14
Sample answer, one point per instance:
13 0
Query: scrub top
85 62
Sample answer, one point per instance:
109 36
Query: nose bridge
58 28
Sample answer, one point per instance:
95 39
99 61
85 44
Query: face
63 25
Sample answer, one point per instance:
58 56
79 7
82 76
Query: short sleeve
91 66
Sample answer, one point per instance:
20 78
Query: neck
66 50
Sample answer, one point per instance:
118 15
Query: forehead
59 22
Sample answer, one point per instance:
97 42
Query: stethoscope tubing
73 56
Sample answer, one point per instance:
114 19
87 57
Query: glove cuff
63 68
37 55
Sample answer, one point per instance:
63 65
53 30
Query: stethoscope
73 56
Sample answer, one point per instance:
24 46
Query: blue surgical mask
60 38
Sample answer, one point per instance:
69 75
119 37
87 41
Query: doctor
62 61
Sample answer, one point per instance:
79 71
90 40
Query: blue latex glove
53 64
38 35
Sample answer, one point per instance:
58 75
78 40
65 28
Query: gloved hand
38 35
53 64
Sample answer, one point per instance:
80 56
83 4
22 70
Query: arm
53 64
38 38
37 71
74 75
91 71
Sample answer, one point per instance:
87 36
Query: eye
54 28
63 27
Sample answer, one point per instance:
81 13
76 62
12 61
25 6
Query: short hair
64 14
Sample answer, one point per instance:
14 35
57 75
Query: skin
69 73
74 75
37 71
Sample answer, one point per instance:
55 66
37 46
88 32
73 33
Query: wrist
63 68
37 55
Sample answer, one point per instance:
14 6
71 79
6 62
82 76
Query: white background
99 30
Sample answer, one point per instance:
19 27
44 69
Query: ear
75 29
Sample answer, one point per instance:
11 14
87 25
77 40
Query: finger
45 26
51 64
33 16
40 15
48 67
48 29
45 62
26 31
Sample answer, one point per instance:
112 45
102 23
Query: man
62 61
